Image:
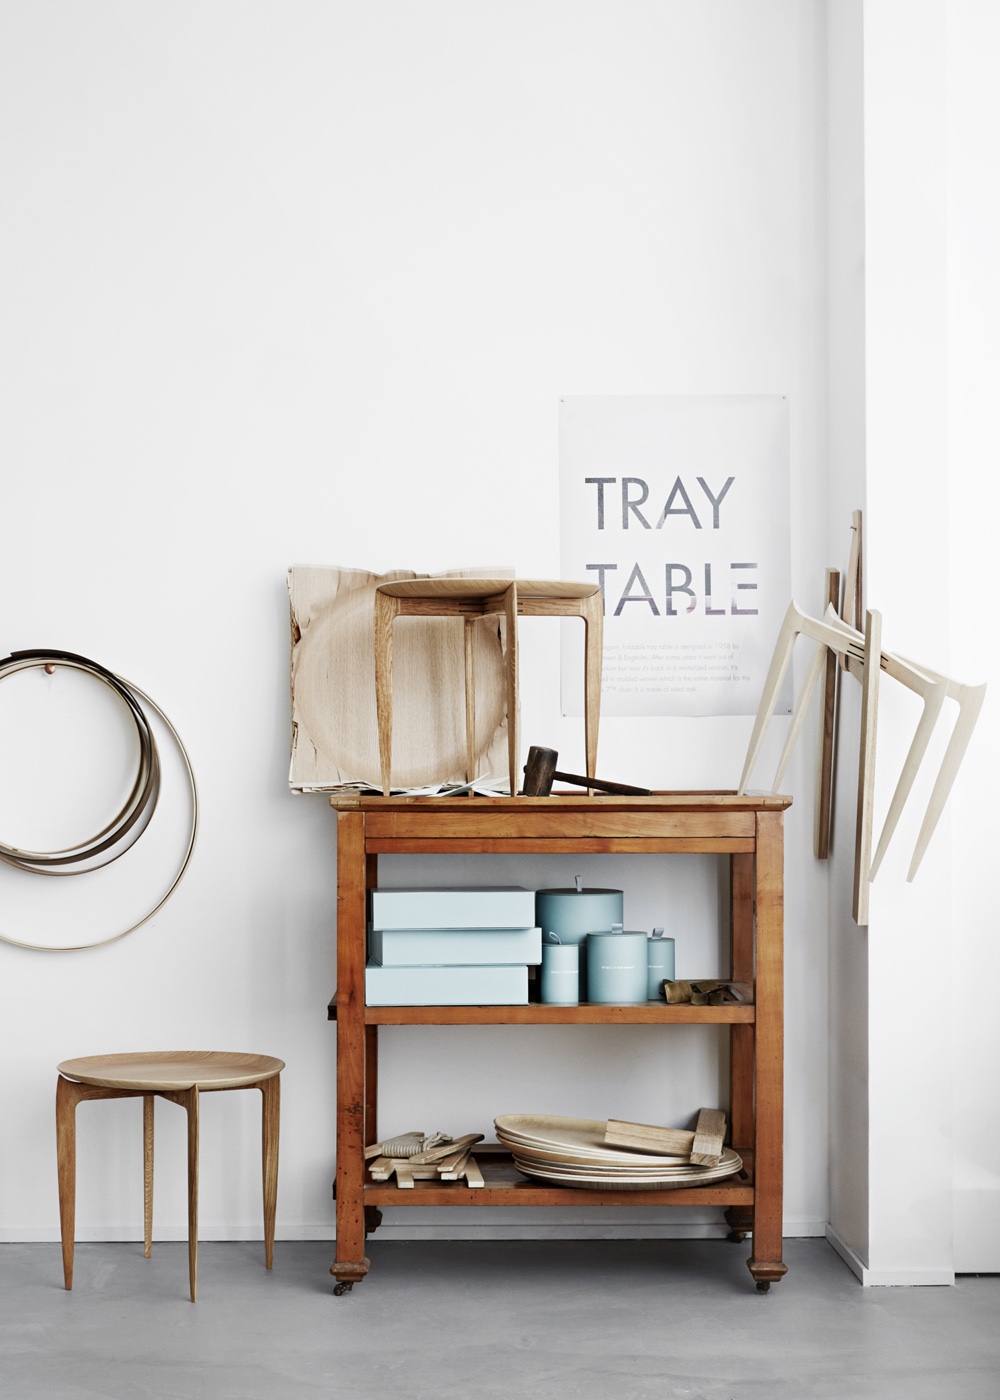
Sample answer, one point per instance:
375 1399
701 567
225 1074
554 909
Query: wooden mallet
540 773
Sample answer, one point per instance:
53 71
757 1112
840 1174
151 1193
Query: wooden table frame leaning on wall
749 829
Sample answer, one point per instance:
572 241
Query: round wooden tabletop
172 1069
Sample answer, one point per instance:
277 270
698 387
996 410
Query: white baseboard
888 1278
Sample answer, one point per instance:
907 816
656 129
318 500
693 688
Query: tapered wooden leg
592 611
270 1103
828 721
970 699
817 666
67 1098
386 609
510 613
772 685
470 698
147 1173
866 767
189 1099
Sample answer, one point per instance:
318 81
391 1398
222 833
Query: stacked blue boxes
451 947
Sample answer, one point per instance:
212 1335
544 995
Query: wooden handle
602 786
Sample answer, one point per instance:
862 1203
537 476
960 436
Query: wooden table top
709 801
172 1069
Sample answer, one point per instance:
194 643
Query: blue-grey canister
572 914
617 969
561 973
659 964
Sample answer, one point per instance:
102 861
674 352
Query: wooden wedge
473 1176
453 1167
646 1137
709 1132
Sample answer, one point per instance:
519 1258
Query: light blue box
445 986
409 947
506 906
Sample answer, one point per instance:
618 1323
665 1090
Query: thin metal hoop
141 801
131 691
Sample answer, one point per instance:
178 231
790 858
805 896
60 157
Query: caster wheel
763 1286
736 1236
341 1288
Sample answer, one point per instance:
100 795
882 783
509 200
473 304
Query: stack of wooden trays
571 1152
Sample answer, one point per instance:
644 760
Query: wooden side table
181 1076
471 598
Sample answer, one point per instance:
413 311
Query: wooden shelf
505 1186
535 1014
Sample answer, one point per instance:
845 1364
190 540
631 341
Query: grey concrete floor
550 1320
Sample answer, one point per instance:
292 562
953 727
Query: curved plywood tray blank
334 727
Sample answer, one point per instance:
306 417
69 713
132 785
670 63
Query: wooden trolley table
748 829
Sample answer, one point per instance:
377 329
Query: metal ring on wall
133 818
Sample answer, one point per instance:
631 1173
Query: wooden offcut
709 1135
647 1137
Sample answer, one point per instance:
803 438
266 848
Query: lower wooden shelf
533 1013
505 1186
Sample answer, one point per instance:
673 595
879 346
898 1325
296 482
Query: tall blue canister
572 914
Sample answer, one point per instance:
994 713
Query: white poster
679 509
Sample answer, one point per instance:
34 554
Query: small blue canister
617 967
659 963
560 972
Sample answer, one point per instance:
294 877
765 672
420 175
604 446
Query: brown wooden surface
148 1103
351 932
741 1075
765 1260
595 846
270 1090
158 1070
536 1014
748 828
455 823
505 1186
828 719
722 801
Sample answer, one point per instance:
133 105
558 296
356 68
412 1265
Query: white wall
974 448
911 1061
909 1049
848 982
303 283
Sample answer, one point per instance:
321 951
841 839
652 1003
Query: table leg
270 1090
386 609
147 1173
350 1263
510 614
765 1262
592 611
189 1100
67 1097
